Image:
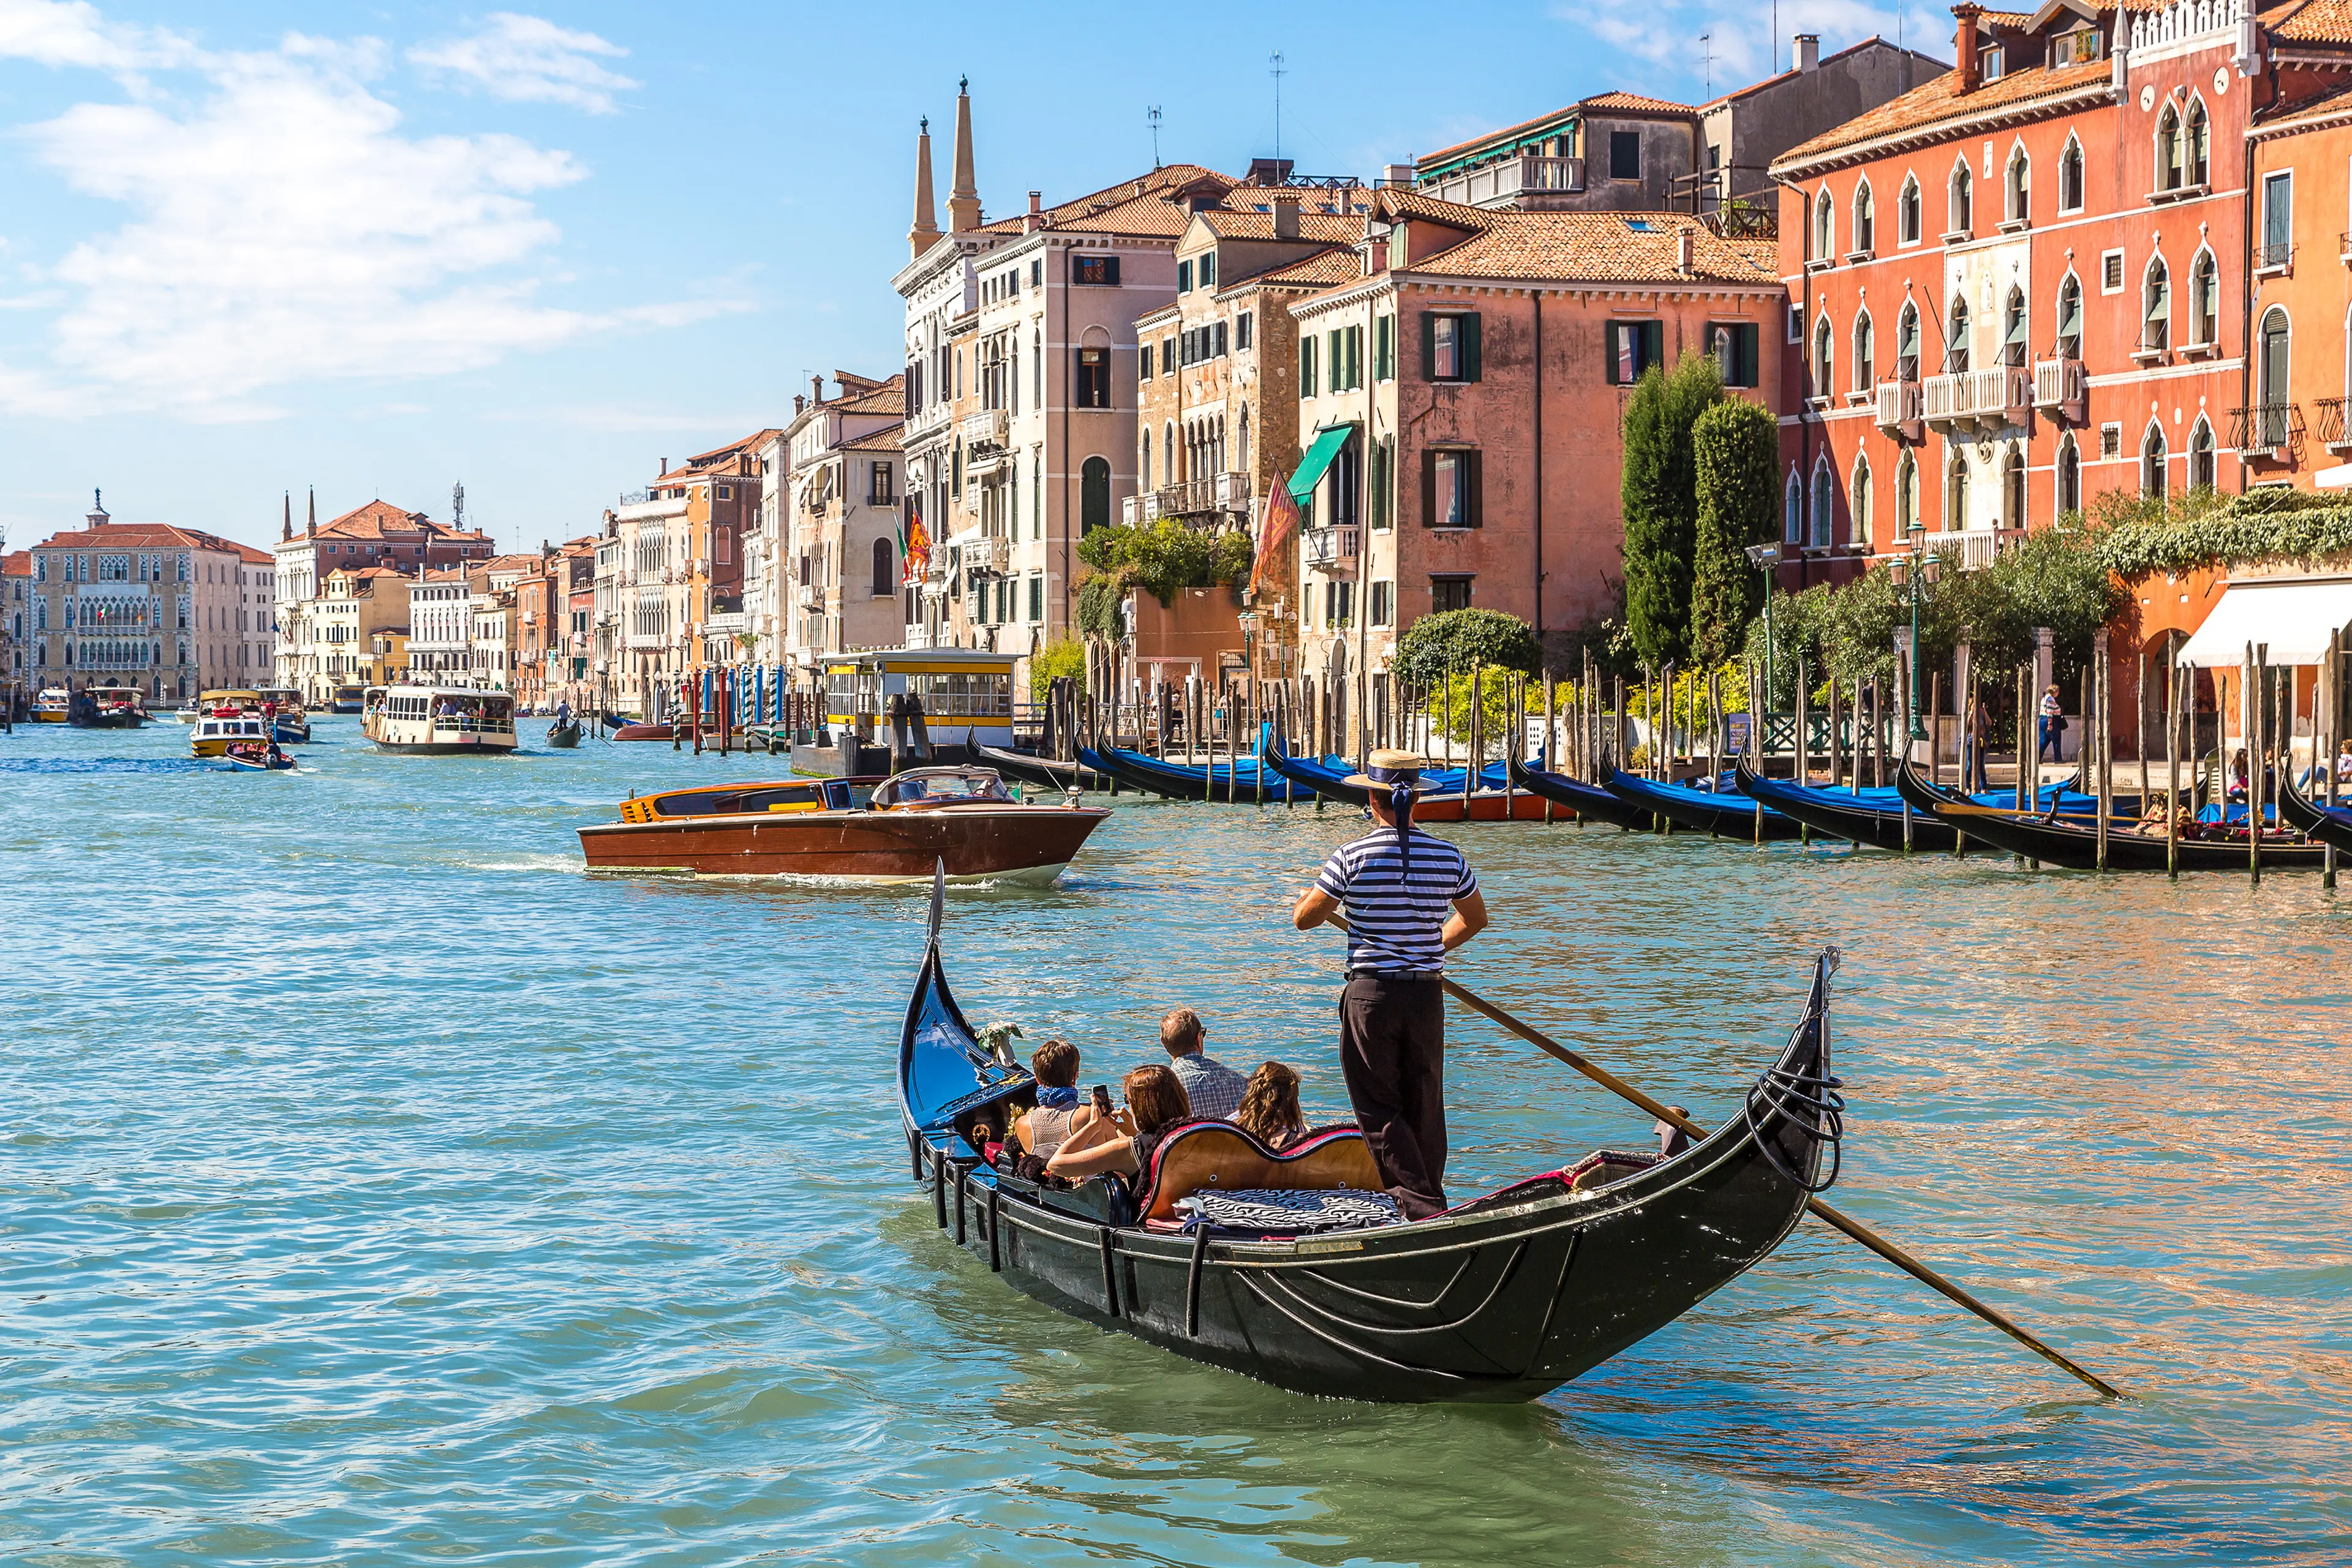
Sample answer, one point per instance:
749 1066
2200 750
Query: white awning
2294 618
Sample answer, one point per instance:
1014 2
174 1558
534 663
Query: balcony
1996 395
1528 183
2330 413
1975 549
1899 406
1200 497
1232 492
2059 384
1330 550
2270 432
990 427
988 555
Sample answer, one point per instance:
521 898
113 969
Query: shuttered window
1632 347
1450 348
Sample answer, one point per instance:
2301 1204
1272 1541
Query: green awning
1326 446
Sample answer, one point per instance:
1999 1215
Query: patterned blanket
1288 1213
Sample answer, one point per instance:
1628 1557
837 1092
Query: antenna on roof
1706 58
1278 73
457 504
1152 114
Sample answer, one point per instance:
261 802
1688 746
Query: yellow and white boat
213 734
53 706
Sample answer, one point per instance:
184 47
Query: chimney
816 389
1964 44
1397 177
1285 215
1035 218
963 197
799 403
926 230
1686 249
1807 54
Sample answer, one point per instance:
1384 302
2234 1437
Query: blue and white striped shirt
1393 925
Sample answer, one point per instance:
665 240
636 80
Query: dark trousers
2049 746
1392 1054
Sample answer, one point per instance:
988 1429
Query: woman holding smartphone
1123 1141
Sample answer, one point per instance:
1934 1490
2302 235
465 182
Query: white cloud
1664 33
72 33
284 230
529 59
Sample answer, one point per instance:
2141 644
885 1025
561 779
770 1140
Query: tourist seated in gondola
1213 1089
1269 1109
1123 1141
1059 1112
2344 763
2239 775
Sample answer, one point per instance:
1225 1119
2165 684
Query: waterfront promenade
381 1186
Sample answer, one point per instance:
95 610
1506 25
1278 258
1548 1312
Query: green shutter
1429 345
1470 356
1609 331
1306 365
1335 361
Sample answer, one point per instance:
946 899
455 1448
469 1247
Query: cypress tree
1737 445
1658 494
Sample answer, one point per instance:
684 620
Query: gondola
2327 824
1499 1298
564 736
1329 778
1726 814
1042 772
1583 799
2073 843
1874 816
1238 780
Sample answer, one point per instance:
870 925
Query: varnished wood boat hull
1015 843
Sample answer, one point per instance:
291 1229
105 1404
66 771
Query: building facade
375 534
843 560
170 611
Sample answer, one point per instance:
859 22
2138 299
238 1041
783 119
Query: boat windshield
940 789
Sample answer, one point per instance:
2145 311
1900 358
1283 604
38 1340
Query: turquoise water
376 1187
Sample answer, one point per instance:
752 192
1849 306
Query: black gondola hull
2327 824
2073 845
1585 800
1042 772
1501 1299
1738 817
1860 823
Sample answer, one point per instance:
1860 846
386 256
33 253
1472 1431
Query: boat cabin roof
735 800
232 691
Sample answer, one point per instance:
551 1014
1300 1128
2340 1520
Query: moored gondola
1236 781
1044 772
1499 1298
1725 812
1584 799
1862 819
1442 797
2327 824
2074 843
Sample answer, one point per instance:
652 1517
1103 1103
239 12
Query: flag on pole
918 550
1280 522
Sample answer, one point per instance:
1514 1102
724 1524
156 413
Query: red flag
918 551
1280 522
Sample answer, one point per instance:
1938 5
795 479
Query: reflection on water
381 1186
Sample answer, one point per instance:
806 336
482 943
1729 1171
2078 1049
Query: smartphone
1102 1098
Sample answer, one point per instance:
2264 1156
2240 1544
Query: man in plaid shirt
1213 1089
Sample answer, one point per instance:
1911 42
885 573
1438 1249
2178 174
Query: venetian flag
918 550
1281 522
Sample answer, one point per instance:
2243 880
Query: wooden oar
1851 1226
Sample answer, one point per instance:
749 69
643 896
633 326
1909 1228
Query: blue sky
246 247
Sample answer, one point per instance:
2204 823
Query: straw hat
1385 770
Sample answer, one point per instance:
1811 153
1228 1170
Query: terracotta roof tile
2315 22
151 535
1321 228
887 439
2017 95
377 518
890 397
1391 203
1324 270
1085 214
16 564
2330 105
1602 247
1631 103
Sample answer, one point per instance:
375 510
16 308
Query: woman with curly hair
1270 1111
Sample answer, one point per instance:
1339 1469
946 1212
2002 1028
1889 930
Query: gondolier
1409 899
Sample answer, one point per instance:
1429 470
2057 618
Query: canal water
377 1187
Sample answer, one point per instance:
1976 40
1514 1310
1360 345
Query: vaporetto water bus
440 720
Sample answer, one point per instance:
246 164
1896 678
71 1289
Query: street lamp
1914 571
1766 559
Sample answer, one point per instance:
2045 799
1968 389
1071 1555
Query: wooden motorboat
895 829
2074 843
644 732
1502 1298
1583 799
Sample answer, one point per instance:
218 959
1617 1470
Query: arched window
1907 212
2204 302
1824 232
1907 344
2155 307
1168 451
2168 151
1241 443
1824 504
2201 145
1956 337
1792 512
2070 177
1865 229
2013 346
2070 475
2151 461
2012 488
2070 317
1143 475
1094 495
885 569
1906 497
2200 456
1862 363
1955 494
1821 365
1857 504
2017 188
2273 433
1962 199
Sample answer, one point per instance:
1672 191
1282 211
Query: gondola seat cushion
1218 1156
1290 1212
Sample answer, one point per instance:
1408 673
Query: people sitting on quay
1213 1089
1059 1112
1269 1109
1123 1141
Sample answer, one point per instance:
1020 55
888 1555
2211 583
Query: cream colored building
357 602
169 610
842 563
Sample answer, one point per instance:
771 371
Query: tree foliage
1658 495
1062 656
1164 558
2141 536
1461 639
1736 445
1101 612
